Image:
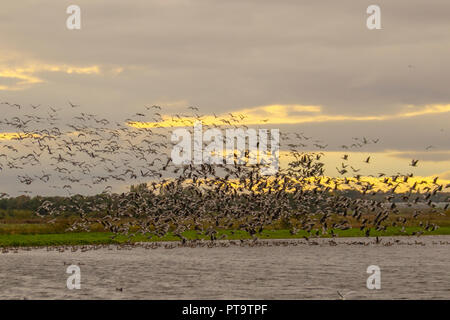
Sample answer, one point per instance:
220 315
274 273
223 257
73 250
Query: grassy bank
85 238
25 229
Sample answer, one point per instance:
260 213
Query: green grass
31 228
86 238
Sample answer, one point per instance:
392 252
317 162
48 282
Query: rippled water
409 270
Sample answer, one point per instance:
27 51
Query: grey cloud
424 156
228 55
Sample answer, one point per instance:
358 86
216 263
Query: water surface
411 268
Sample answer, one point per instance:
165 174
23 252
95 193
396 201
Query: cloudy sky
309 66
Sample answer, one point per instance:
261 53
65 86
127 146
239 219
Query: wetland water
412 268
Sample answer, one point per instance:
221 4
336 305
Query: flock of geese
93 155
202 243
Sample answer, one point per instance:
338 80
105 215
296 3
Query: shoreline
102 238
383 241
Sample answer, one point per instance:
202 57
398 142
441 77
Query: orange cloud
16 135
25 76
286 114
